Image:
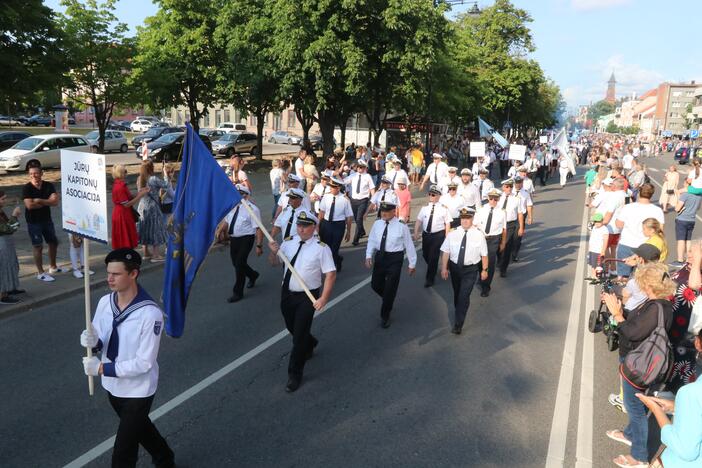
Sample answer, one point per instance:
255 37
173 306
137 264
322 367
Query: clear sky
581 42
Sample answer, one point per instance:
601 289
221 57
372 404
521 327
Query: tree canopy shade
31 55
99 58
599 109
248 78
177 59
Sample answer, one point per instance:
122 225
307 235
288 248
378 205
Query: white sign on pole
84 195
543 139
517 152
477 149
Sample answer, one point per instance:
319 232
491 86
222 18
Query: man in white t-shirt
300 168
627 160
630 220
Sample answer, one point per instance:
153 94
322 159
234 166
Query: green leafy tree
178 60
599 109
31 54
100 57
249 77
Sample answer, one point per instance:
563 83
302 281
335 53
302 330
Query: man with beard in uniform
434 222
388 241
335 215
492 221
510 204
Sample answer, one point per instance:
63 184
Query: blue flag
487 131
203 196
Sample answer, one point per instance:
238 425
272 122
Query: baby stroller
601 319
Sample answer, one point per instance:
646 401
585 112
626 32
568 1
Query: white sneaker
56 270
47 278
616 400
77 274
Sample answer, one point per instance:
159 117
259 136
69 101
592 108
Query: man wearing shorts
416 163
39 196
687 208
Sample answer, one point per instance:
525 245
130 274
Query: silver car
284 137
43 148
114 141
235 143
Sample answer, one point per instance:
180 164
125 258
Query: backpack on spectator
652 361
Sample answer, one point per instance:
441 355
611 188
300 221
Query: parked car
206 140
152 134
165 148
36 120
7 120
281 136
682 155
71 120
10 139
23 119
141 125
316 142
120 127
114 141
235 143
43 148
212 133
232 127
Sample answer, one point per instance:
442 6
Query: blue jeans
624 251
637 429
275 204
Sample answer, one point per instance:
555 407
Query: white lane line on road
561 412
106 445
652 169
583 452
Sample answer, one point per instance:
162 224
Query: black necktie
358 184
382 199
481 188
231 225
431 219
433 175
290 223
288 273
331 210
385 237
462 250
504 205
393 178
489 222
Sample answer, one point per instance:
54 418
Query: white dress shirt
384 196
532 165
282 220
471 194
365 188
438 173
476 246
497 223
342 207
283 201
487 185
528 185
318 191
397 240
245 225
396 176
525 200
439 221
514 206
313 260
452 203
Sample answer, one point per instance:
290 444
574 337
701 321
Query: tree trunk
194 116
326 125
306 120
260 115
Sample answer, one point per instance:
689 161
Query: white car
114 141
141 125
7 120
283 137
43 148
232 127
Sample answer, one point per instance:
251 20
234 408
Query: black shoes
252 281
515 259
234 298
385 323
456 330
503 274
485 293
9 300
428 284
16 291
293 384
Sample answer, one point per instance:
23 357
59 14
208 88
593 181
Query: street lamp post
473 11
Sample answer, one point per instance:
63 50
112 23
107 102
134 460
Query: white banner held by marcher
477 149
84 195
517 152
84 213
543 139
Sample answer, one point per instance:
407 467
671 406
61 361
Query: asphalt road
411 395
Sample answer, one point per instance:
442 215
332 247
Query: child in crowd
598 241
655 236
405 198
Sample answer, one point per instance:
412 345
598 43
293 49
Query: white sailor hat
243 189
466 171
362 163
306 218
509 182
466 212
293 178
452 169
434 189
437 156
295 193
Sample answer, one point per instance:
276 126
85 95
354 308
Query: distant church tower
610 89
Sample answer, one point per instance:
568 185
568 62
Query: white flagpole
282 256
86 288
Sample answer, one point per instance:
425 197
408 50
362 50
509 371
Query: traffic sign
694 133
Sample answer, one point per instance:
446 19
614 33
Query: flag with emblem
203 196
487 131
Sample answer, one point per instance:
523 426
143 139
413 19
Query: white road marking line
583 452
106 445
652 169
561 412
